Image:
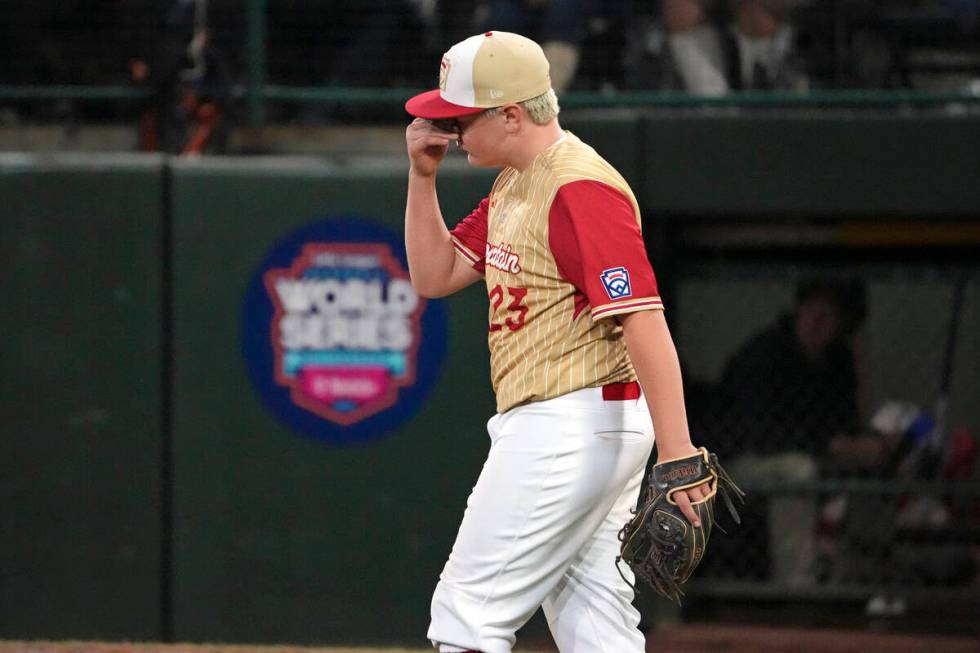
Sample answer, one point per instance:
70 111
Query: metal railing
257 94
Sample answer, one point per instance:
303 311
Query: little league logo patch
338 342
616 281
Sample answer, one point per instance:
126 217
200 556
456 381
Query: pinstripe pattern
552 351
471 257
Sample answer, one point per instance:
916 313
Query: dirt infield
690 638
766 639
130 647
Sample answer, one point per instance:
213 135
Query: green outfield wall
280 537
81 401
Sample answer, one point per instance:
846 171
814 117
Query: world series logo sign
345 329
338 343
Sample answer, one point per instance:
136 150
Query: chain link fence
238 46
845 402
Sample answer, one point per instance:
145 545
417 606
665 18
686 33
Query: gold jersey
561 250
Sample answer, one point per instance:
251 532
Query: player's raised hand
427 145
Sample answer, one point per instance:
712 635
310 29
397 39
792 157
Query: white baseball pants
540 529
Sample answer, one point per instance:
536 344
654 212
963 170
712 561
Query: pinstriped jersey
560 247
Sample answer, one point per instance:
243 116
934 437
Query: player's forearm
658 370
427 241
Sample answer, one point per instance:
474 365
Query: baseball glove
659 544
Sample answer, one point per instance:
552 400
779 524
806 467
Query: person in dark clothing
794 385
787 394
736 45
186 112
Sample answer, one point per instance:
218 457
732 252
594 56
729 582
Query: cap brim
431 106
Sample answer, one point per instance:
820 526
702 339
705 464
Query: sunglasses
455 125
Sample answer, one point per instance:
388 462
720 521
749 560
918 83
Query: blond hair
541 109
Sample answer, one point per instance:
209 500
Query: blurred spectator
715 51
560 26
786 396
374 40
707 47
187 110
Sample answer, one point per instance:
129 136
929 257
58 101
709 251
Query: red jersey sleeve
594 235
470 236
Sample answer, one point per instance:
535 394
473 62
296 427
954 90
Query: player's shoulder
503 178
574 160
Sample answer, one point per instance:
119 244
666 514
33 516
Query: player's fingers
438 139
420 128
684 503
425 141
699 492
417 125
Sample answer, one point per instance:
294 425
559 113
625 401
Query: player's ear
514 117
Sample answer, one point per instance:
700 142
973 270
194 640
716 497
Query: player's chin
478 161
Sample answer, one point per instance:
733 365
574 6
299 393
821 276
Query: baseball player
576 329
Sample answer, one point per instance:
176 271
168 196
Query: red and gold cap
484 71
